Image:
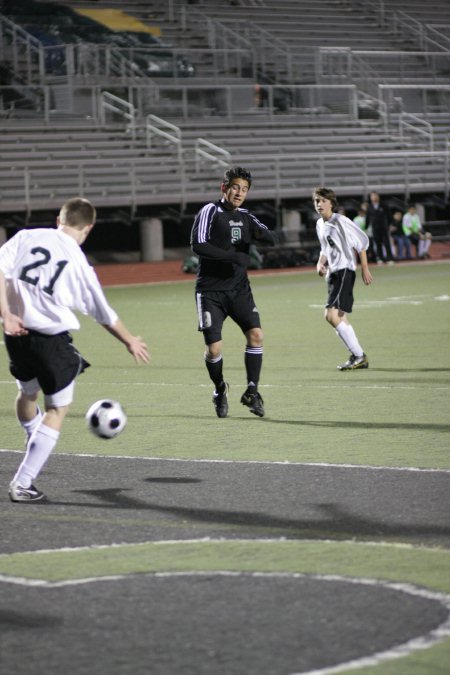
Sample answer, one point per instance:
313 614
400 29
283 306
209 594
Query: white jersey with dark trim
47 276
339 238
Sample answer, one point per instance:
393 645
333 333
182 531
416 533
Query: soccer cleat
355 362
17 493
220 400
254 402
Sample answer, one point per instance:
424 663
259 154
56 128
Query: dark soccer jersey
229 232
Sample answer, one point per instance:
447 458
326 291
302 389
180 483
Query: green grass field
395 414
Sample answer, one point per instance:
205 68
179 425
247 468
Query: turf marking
350 384
413 300
244 461
439 634
426 641
214 540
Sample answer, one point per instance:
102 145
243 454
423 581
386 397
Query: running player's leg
344 330
253 357
28 412
339 303
211 310
214 362
253 365
214 365
57 365
40 445
245 313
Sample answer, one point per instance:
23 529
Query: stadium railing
138 181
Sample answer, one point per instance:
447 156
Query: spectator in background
261 96
401 241
413 230
360 219
377 218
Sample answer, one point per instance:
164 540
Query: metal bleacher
345 109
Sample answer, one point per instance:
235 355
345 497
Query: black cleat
17 493
355 363
254 402
220 400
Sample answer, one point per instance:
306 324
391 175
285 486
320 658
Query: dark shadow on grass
335 522
339 424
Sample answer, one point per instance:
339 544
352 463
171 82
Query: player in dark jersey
221 238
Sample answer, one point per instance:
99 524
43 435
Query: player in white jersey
339 239
44 276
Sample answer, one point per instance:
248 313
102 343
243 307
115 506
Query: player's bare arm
322 265
134 343
365 272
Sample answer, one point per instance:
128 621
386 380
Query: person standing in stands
377 218
339 238
44 276
221 236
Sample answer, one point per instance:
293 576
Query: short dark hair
78 212
326 193
237 172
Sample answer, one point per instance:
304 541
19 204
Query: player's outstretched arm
135 344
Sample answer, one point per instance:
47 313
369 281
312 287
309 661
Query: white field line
352 384
147 458
439 634
413 300
433 637
223 540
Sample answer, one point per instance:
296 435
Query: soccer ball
106 418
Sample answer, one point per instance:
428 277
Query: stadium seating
59 140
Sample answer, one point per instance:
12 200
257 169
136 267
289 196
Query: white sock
40 445
33 424
348 337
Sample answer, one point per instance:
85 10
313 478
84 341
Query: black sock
253 364
215 371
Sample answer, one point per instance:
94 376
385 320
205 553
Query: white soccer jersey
47 276
339 238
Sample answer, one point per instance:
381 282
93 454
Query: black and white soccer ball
106 418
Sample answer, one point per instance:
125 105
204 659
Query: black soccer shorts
340 290
51 359
213 307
